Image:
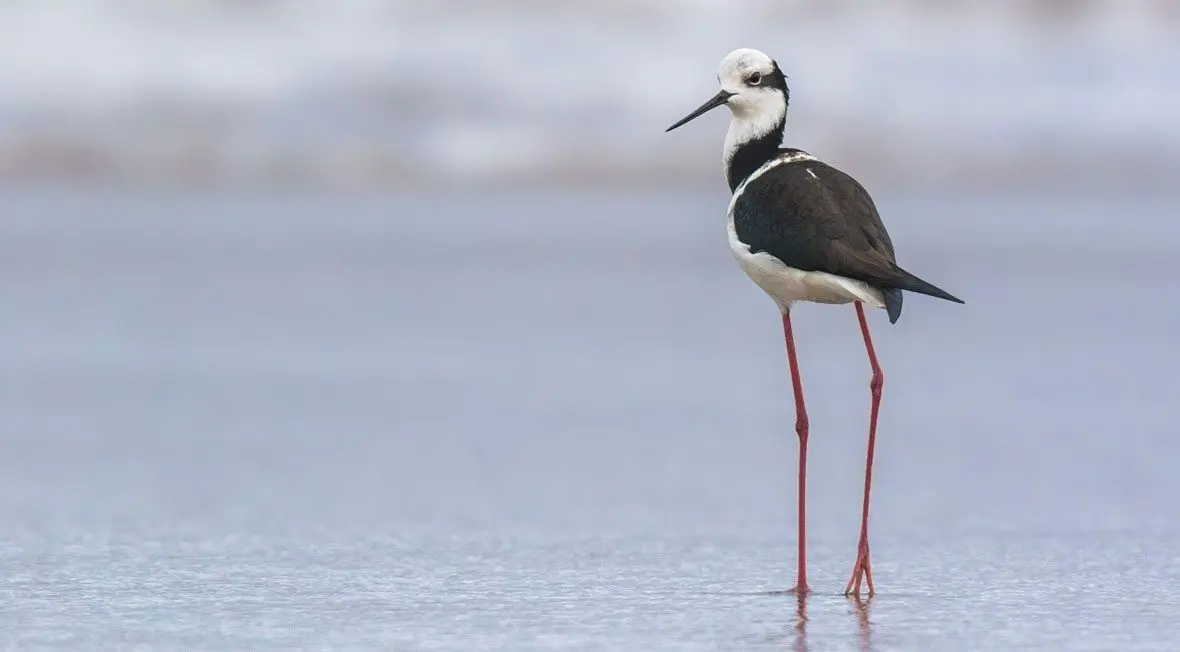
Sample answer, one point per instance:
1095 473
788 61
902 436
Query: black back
814 217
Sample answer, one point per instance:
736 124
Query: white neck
750 125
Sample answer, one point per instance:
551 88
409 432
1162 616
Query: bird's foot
861 570
800 589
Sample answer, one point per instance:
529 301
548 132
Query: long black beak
717 100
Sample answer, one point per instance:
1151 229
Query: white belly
787 285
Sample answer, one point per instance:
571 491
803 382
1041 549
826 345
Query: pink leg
863 569
801 428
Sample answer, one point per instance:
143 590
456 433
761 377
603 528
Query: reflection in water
801 622
863 624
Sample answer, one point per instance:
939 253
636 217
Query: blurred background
279 277
388 94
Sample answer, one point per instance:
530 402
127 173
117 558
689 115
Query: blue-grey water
245 421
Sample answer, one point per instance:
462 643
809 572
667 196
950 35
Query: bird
804 231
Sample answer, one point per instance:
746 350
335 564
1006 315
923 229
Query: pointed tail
912 283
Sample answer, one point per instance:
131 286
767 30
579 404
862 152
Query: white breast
787 285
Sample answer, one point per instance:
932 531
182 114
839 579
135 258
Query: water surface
256 422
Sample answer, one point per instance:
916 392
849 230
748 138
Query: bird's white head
755 90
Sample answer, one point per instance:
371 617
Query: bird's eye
755 79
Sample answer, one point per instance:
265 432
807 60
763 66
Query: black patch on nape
778 80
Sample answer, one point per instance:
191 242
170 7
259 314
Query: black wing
816 218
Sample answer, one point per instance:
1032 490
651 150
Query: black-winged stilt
804 231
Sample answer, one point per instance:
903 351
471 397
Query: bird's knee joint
877 382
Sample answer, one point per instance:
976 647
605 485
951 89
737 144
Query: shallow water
245 421
671 592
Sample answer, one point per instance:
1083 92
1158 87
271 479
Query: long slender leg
801 429
863 568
